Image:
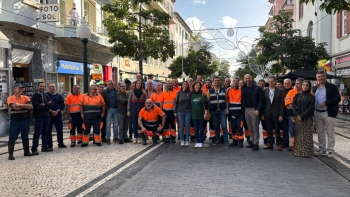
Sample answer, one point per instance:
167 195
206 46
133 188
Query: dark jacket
276 108
257 96
57 102
40 111
105 97
122 102
304 105
333 99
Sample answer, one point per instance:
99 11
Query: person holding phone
303 109
73 15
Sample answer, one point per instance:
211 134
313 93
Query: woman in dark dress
303 109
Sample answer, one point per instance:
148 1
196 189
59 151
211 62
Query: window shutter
339 24
347 22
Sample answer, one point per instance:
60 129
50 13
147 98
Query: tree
196 63
223 68
240 72
331 6
138 33
289 51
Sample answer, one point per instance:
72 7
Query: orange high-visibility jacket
290 96
92 105
169 100
150 118
157 98
235 101
73 101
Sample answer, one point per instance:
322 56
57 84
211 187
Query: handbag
208 114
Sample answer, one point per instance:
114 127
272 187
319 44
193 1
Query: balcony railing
67 21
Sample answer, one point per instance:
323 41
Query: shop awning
4 41
21 57
132 80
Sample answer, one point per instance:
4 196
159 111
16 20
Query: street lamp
84 33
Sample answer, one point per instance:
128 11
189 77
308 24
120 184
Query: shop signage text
343 72
68 67
342 59
96 76
49 12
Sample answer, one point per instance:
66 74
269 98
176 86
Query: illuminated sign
68 67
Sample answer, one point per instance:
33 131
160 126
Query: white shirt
271 94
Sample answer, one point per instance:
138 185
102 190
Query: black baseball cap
18 85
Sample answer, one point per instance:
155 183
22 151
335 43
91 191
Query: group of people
232 111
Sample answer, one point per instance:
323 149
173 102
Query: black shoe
285 146
121 142
35 153
255 147
49 149
249 146
240 144
11 147
250 142
116 140
217 144
84 145
127 140
104 140
227 145
79 142
72 144
290 149
26 148
108 142
62 146
44 150
98 144
234 143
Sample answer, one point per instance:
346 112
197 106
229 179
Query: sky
214 14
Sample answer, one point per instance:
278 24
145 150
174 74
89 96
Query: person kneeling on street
148 120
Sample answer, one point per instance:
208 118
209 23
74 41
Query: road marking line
115 173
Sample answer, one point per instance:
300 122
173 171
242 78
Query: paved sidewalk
215 171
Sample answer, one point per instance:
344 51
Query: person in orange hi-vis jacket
169 97
74 117
92 110
288 101
236 115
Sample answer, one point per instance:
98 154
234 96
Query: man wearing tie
273 112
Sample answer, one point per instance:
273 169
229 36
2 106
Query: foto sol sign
49 12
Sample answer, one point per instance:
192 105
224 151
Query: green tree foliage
245 69
282 45
196 63
128 21
331 6
223 68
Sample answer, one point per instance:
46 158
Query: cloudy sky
205 14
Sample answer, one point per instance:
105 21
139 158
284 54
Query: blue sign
68 67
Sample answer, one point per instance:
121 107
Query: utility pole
140 44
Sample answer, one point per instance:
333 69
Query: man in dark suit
273 112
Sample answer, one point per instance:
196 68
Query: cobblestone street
171 170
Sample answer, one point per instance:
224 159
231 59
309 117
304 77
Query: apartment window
310 29
86 11
344 15
343 24
177 27
301 10
63 14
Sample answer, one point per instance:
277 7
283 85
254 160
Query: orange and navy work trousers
96 124
237 127
76 123
169 127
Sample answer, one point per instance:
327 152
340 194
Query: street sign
49 12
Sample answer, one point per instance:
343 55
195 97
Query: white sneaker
197 144
330 155
200 145
187 143
320 152
182 143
